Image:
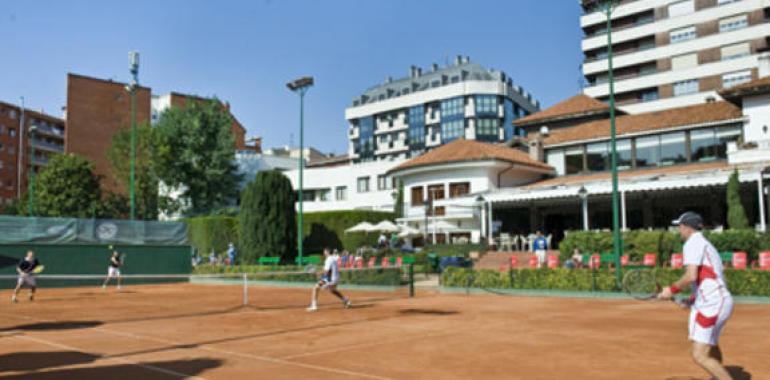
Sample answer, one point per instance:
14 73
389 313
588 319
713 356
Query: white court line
221 351
119 360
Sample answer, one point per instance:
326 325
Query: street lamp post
300 86
616 238
480 202
583 194
133 66
31 187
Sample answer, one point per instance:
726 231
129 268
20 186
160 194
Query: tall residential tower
673 53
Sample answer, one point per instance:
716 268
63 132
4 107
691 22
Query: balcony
44 145
50 131
40 160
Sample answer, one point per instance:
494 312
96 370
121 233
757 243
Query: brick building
15 149
98 108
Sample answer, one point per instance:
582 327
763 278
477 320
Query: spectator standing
231 253
213 258
541 246
382 241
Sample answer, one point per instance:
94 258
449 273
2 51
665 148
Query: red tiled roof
576 105
624 174
671 118
462 150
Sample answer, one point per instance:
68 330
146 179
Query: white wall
757 108
347 175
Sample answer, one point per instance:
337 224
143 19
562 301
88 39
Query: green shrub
740 282
745 240
212 232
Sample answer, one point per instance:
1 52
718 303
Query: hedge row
740 282
639 242
208 233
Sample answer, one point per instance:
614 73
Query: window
681 8
12 114
555 158
383 183
672 148
733 23
366 139
647 151
416 120
487 129
725 135
436 191
508 116
459 189
736 51
452 107
573 160
597 156
452 130
486 105
323 194
703 145
341 193
308 195
723 2
686 87
733 79
417 196
363 184
623 149
649 95
683 34
684 61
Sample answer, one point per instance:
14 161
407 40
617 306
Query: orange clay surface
201 332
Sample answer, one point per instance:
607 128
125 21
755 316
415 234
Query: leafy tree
194 151
267 219
398 208
119 156
114 206
67 187
736 215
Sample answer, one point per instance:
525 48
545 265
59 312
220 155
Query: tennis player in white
329 280
712 303
26 271
113 269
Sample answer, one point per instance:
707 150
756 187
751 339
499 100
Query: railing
49 130
47 145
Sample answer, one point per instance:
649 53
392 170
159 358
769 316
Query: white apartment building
404 118
672 53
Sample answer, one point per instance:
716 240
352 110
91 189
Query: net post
410 273
245 290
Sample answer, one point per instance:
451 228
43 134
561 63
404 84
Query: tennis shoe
312 308
14 300
348 304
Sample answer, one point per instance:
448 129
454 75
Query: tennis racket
641 285
38 269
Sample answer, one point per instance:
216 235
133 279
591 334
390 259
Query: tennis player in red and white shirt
712 303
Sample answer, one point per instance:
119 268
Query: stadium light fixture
300 86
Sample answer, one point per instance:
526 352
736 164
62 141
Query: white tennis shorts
540 255
113 272
27 279
707 323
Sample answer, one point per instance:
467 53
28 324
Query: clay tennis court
180 331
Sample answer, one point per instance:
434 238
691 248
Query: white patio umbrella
385 226
407 231
442 226
361 227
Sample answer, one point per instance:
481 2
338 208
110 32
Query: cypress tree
736 215
268 224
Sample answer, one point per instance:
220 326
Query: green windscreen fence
15 230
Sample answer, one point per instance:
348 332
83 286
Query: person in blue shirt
541 246
231 253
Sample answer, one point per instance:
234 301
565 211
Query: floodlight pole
617 244
133 65
300 86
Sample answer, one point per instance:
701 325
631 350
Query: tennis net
248 285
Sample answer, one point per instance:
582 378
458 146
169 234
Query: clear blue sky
245 51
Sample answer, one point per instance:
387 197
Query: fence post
410 273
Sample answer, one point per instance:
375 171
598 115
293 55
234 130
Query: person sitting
577 258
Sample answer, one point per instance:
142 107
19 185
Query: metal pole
623 212
585 212
762 224
616 239
31 187
20 161
133 152
301 165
